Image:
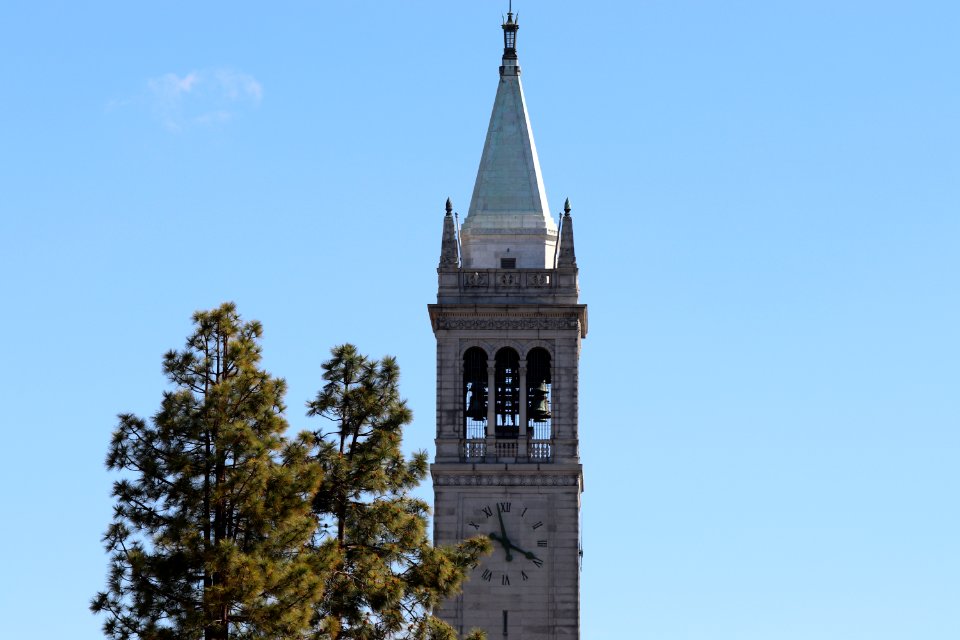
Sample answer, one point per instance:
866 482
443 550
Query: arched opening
507 405
539 394
475 393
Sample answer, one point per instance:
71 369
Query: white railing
474 450
539 450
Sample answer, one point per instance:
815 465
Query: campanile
509 325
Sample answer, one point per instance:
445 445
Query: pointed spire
509 204
449 253
568 256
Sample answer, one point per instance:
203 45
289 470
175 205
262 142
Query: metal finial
449 207
510 28
566 208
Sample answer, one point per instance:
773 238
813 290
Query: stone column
522 429
491 408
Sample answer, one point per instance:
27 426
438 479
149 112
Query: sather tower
508 326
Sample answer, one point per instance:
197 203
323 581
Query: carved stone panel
518 480
501 323
476 279
538 280
508 279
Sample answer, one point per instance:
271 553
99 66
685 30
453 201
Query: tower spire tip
510 28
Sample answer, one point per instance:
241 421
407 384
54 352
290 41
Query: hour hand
526 554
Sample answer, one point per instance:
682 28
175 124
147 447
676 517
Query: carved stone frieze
519 279
537 480
476 279
538 280
503 323
509 279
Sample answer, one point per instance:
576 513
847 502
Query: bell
476 408
538 405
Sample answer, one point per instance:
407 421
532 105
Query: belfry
509 325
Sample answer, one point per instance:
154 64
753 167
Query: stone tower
508 326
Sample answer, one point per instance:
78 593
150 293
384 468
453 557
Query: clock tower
508 325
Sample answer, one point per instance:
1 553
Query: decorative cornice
493 231
508 480
502 323
457 316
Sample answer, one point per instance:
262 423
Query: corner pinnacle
449 207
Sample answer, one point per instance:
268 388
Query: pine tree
382 575
212 524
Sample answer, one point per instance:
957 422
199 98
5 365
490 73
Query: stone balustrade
505 450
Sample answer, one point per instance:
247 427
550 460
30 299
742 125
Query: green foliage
382 576
211 531
224 529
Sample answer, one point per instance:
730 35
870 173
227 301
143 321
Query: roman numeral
523 574
487 511
537 561
505 507
487 575
538 525
505 580
541 543
474 525
522 513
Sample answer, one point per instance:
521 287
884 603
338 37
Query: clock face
519 531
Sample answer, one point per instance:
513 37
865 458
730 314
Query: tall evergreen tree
212 526
382 575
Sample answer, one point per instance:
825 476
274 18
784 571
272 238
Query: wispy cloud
205 97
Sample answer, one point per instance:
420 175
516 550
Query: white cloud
171 86
201 97
238 86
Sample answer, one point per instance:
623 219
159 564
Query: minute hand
506 544
503 530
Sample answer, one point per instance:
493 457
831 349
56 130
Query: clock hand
503 530
526 554
504 543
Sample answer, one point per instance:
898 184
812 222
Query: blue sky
768 220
